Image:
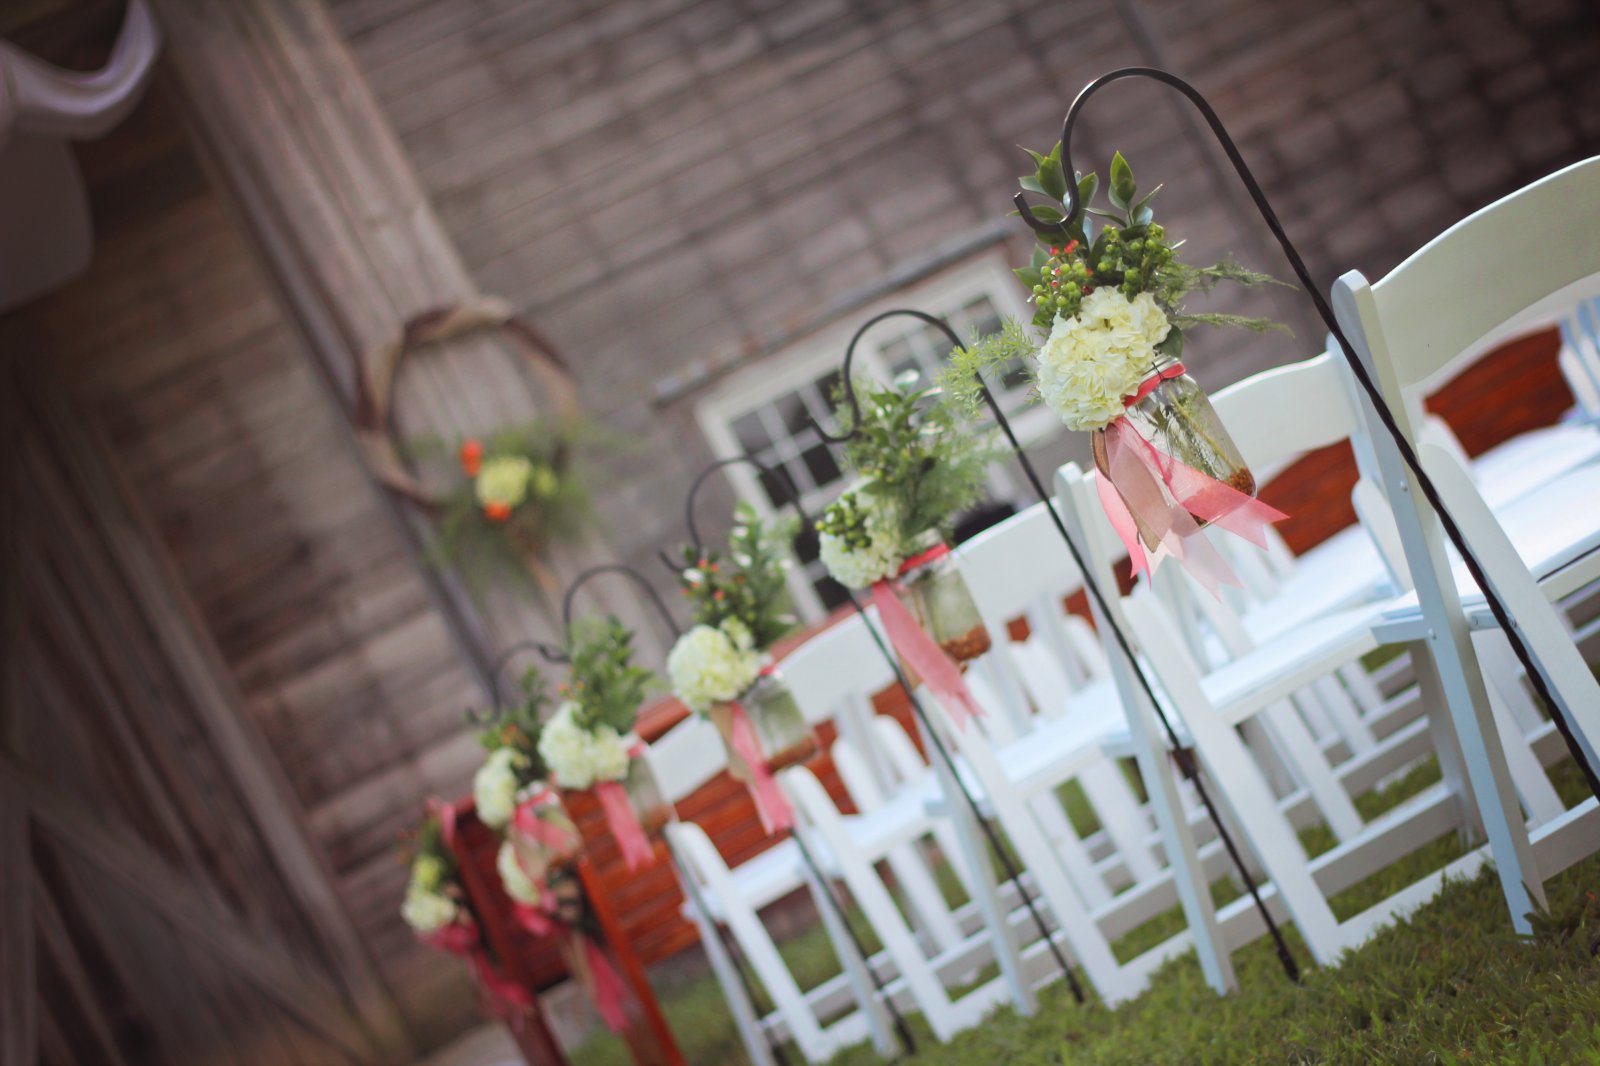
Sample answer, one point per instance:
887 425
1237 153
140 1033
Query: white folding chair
834 1014
1579 358
1019 568
1209 707
1408 328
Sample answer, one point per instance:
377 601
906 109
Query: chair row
1268 687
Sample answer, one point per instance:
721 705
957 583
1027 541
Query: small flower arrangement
588 743
919 461
518 492
1111 304
433 901
588 738
741 606
721 667
514 767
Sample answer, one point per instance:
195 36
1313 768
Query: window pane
826 385
806 547
793 411
775 485
1016 375
831 593
750 434
819 461
936 342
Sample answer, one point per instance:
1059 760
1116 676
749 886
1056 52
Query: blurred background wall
222 646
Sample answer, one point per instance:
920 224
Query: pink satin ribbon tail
929 661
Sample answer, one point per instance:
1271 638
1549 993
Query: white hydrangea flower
859 567
503 480
427 912
1100 355
427 872
494 787
709 664
577 757
518 885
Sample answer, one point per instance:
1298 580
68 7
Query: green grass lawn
1452 985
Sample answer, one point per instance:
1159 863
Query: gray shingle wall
657 182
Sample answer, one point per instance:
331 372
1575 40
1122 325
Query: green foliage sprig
602 679
427 841
485 544
747 581
915 451
1131 251
517 726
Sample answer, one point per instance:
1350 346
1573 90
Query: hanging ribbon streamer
925 658
606 990
557 839
749 765
463 938
1148 490
623 822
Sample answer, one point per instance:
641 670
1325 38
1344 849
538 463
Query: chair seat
1292 660
1054 751
769 876
1556 532
1526 462
1342 571
901 818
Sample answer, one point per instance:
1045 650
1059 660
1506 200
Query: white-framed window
767 409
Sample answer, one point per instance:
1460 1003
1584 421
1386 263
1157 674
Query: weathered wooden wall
174 349
173 911
660 184
652 183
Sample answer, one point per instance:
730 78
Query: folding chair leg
726 969
1118 810
1306 761
855 967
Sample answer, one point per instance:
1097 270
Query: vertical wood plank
19 996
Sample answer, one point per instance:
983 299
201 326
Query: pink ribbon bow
926 659
771 804
1168 495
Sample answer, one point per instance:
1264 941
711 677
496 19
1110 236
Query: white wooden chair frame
1407 329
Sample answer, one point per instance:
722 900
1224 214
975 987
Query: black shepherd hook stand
1091 584
631 574
931 735
549 652
1057 231
902 1030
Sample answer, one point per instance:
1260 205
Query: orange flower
471 456
497 512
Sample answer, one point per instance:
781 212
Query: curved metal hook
1358 369
849 357
1058 230
549 652
694 490
617 568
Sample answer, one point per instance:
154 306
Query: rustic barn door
158 903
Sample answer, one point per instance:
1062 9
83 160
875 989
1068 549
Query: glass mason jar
644 792
1178 420
780 726
938 598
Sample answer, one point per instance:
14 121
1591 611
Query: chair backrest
1280 414
835 667
1523 256
1019 568
1014 564
685 757
1580 355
